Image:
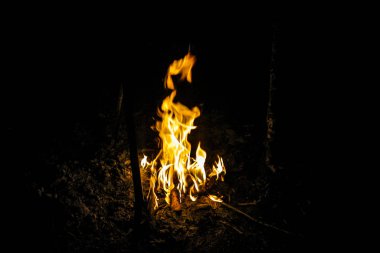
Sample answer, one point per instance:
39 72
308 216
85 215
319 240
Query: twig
255 220
119 108
233 227
248 204
268 142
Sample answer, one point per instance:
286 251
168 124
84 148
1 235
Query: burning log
175 203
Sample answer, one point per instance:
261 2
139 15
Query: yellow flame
215 198
173 167
181 66
144 161
218 169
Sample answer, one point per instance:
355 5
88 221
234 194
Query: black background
63 72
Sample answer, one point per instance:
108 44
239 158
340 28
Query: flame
173 168
215 198
181 66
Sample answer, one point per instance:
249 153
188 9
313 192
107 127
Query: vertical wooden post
270 116
129 104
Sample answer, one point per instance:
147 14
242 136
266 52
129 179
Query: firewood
174 200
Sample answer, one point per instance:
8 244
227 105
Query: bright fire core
174 169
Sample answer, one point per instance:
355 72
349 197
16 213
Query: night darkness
62 112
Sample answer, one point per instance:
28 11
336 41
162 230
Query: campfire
224 177
175 172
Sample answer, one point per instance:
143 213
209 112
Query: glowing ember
174 169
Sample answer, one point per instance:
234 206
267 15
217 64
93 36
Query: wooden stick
233 227
247 204
175 203
270 121
119 109
133 155
255 220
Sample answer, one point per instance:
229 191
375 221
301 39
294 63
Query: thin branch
119 109
270 114
231 226
248 204
255 220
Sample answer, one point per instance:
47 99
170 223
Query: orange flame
173 167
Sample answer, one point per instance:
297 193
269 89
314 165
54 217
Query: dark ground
69 187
